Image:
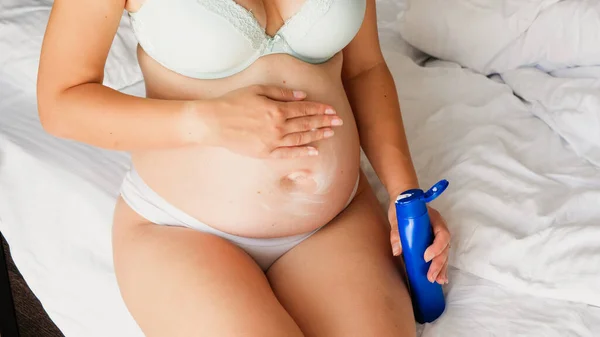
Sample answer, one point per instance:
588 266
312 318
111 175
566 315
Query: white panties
148 204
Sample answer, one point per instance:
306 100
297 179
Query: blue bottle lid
413 203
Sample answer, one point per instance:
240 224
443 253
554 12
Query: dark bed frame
21 313
8 317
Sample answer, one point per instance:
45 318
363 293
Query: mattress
522 206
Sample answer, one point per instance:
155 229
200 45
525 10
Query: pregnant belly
257 197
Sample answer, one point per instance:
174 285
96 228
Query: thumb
281 94
395 241
392 217
394 233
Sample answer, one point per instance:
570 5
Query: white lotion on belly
304 188
307 182
300 188
327 171
298 176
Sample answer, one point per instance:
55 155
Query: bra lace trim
241 18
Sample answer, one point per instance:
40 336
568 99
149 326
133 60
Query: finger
441 242
303 138
443 275
395 242
279 93
436 267
307 123
294 152
301 109
392 217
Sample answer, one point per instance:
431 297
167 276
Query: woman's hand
267 121
438 251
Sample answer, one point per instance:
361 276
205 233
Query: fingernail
337 122
329 111
428 256
328 134
313 152
299 94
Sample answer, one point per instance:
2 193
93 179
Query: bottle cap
413 203
436 190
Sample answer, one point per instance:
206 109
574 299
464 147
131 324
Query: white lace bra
209 39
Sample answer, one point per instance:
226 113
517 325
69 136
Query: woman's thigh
180 282
344 280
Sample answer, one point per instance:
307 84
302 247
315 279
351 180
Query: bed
506 111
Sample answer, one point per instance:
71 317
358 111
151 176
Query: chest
214 38
272 15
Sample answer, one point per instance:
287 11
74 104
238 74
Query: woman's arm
72 102
372 94
373 97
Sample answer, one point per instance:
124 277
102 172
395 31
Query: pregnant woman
244 212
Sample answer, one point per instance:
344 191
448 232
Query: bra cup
208 52
324 39
204 52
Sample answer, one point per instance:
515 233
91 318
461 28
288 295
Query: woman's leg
180 282
344 280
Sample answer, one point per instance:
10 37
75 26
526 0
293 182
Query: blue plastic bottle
416 235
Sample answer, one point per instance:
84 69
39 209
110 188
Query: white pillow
473 33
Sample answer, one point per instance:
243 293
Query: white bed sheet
522 206
56 196
528 167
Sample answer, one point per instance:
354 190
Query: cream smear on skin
305 187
